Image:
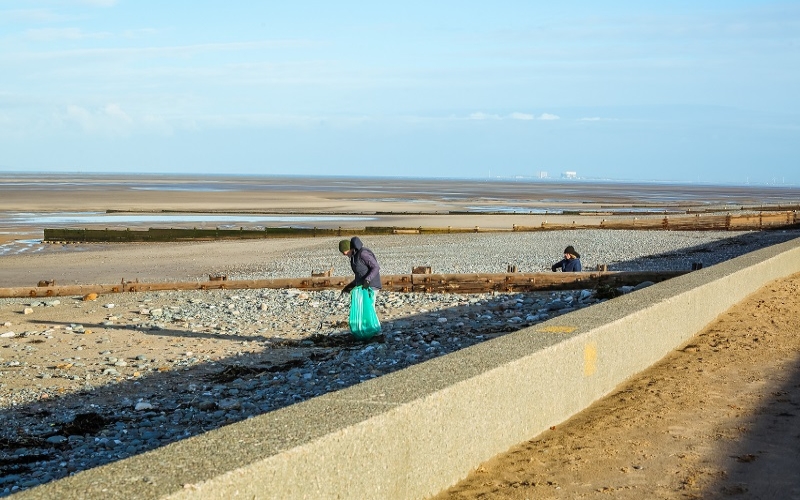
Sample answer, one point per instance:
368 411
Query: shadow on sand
766 461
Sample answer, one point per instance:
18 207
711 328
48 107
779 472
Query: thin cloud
55 34
30 15
172 50
521 116
116 112
548 116
109 120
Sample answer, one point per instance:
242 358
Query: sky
687 91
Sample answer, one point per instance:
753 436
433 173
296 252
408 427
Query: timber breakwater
582 220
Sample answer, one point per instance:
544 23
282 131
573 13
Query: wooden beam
426 283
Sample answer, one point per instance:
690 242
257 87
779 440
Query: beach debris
27 310
84 423
90 296
607 291
46 283
421 270
323 274
212 277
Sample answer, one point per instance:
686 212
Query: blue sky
704 91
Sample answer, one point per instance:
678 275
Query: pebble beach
86 383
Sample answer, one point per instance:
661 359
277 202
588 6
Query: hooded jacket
364 265
568 265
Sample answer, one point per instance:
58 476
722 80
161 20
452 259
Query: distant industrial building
570 175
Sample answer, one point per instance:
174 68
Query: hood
355 243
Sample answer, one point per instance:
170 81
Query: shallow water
116 219
21 246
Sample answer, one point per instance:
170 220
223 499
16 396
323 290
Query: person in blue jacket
363 263
570 263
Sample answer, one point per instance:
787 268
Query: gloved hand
365 285
347 289
554 268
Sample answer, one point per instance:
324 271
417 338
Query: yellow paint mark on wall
589 359
557 329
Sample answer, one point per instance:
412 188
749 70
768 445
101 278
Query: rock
90 296
643 284
27 310
229 404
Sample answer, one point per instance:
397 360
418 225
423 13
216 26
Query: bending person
363 263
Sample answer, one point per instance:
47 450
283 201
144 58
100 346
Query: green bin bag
363 318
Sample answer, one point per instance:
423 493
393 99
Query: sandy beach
394 202
716 418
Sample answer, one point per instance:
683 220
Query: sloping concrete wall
414 432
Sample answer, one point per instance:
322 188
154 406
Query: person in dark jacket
363 263
570 263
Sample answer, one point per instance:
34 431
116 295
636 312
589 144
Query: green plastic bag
363 318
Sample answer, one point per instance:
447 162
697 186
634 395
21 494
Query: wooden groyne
694 222
424 283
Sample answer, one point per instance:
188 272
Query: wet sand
397 202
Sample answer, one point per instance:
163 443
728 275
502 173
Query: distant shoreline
401 202
391 178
